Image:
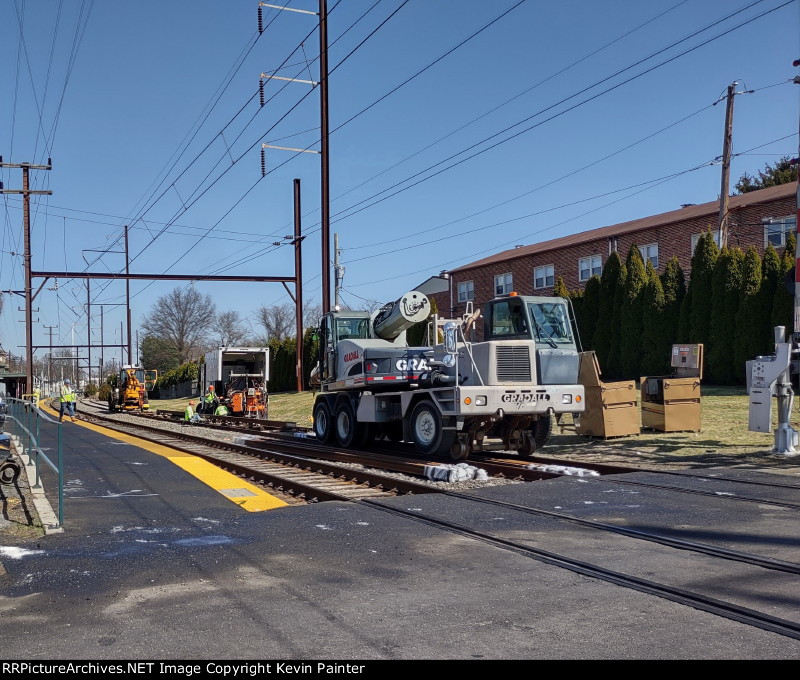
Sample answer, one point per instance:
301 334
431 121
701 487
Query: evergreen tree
655 340
771 271
705 257
612 273
588 318
674 285
631 315
614 351
783 304
726 284
747 327
782 172
576 306
560 289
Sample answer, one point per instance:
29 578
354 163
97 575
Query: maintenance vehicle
453 395
239 377
130 392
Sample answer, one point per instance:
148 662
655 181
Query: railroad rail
734 606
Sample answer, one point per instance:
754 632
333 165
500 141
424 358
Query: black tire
427 432
9 472
541 430
528 446
349 431
323 423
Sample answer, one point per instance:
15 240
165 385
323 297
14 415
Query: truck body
239 377
452 395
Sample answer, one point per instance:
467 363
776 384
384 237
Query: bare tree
183 317
312 312
277 321
231 330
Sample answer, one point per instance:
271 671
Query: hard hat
67 381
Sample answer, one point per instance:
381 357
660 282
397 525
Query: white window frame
466 291
552 275
591 268
696 239
503 283
779 226
645 251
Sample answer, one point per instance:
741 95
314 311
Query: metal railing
29 425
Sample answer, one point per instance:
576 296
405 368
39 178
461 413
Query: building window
503 284
466 291
650 252
544 277
589 266
775 230
696 238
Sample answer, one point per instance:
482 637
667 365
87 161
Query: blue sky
459 128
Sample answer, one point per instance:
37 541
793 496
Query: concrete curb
47 516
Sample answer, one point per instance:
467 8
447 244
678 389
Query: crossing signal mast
770 376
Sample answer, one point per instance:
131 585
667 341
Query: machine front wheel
323 423
427 431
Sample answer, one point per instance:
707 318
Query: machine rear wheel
427 432
349 431
323 423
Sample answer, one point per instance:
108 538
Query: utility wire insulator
260 21
263 162
261 90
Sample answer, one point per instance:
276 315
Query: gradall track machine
449 397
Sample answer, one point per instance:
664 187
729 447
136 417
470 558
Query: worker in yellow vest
67 401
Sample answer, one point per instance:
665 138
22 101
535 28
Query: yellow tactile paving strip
245 495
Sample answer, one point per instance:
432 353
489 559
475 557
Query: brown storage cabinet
672 403
610 406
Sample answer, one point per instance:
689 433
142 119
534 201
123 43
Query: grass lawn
723 440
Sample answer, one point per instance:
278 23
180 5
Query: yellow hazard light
578 398
467 401
513 293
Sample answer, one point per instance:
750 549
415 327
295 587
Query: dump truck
452 395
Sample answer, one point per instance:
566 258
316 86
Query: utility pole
26 224
325 184
325 207
338 272
727 143
50 359
89 329
127 295
298 285
102 345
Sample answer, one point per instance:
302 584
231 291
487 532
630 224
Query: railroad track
283 469
737 607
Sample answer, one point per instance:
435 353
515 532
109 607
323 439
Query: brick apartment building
755 218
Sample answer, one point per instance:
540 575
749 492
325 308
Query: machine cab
339 326
546 321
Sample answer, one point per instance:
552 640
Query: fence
30 427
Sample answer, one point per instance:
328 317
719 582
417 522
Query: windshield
352 329
551 323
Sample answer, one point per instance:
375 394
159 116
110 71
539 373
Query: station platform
155 562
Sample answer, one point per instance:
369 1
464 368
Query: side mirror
450 338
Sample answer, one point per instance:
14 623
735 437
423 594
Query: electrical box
672 403
610 406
